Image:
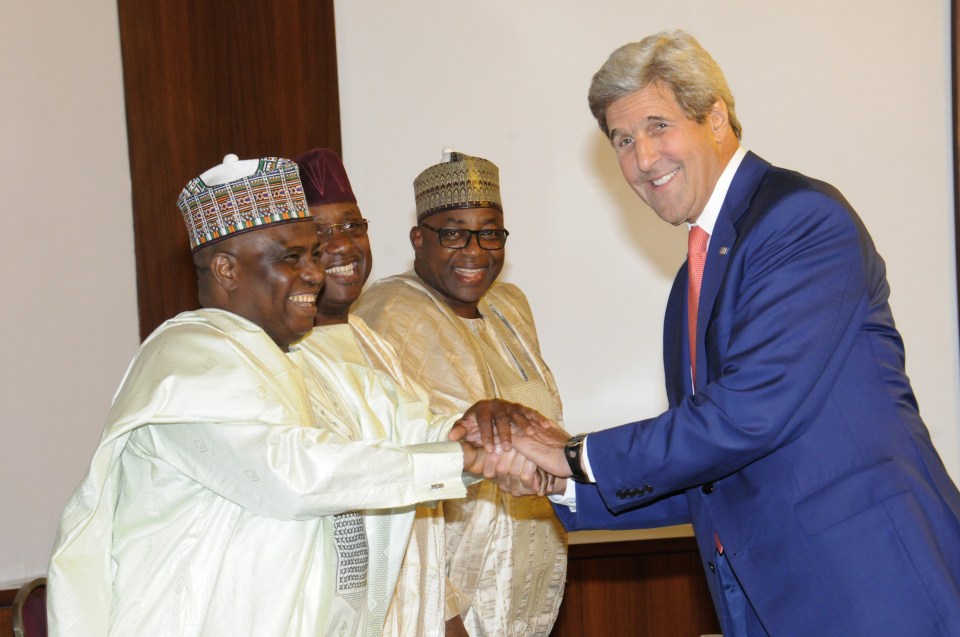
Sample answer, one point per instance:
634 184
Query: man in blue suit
793 442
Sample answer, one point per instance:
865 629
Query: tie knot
697 240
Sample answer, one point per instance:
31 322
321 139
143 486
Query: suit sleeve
794 302
592 513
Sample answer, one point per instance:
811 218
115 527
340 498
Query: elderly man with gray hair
793 441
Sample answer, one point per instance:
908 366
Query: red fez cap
324 178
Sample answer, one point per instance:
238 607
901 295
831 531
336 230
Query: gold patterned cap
237 196
459 181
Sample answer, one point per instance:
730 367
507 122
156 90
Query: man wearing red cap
418 604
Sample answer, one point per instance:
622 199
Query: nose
473 244
646 153
337 244
312 272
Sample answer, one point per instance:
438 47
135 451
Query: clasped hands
517 446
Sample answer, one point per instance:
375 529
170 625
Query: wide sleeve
233 414
295 472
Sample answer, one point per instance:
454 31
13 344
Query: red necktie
696 259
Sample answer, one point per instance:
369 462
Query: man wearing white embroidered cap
226 495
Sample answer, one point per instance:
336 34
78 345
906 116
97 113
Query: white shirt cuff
569 497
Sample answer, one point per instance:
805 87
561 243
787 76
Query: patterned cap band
324 178
460 181
240 195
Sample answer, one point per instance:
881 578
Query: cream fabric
219 500
417 608
506 557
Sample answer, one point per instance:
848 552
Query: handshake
519 447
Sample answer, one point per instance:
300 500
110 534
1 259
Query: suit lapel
722 244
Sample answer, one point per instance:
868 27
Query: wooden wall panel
6 613
653 588
202 79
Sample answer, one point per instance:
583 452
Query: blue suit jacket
802 447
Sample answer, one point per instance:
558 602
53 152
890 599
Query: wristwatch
573 450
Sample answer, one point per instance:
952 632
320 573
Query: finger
545 482
529 472
486 426
490 463
457 432
504 432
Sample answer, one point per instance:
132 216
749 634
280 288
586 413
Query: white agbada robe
217 502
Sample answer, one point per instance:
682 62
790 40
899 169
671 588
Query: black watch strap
573 450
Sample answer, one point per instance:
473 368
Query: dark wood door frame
203 79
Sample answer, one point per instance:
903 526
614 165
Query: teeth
303 298
665 178
342 269
469 270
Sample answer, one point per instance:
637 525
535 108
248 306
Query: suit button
707 487
621 494
648 488
713 569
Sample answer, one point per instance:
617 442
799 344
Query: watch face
572 450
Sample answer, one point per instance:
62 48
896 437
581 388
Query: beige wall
856 93
68 313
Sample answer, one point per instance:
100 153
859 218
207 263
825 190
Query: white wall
68 311
856 93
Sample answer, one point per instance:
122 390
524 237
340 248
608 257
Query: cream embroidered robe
506 556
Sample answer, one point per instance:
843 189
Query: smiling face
271 276
346 261
461 276
671 161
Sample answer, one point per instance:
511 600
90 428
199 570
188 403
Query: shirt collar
708 218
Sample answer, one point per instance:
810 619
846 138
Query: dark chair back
30 609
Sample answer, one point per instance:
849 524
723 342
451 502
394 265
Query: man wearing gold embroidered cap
240 489
464 337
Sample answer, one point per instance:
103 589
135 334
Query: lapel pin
724 250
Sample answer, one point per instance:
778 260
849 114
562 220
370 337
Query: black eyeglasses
352 229
459 238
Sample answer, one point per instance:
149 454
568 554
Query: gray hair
674 58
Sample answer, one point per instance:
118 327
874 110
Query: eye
488 234
452 234
624 141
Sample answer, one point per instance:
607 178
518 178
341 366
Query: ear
224 268
718 118
416 238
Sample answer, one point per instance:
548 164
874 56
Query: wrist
573 452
